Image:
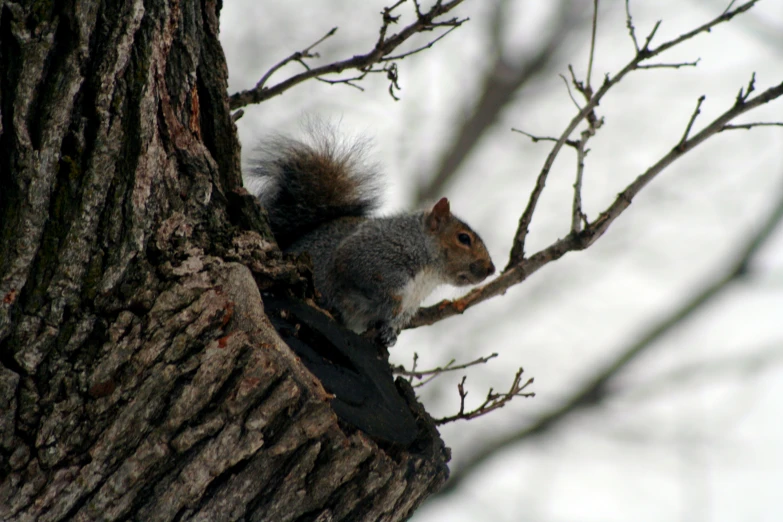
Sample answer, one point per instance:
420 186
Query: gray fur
354 259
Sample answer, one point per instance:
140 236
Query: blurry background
679 305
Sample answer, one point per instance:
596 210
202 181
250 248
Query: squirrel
373 272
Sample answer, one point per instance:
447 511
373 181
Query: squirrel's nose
482 270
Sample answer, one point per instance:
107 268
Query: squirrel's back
309 183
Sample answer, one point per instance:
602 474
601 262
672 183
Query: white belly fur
417 289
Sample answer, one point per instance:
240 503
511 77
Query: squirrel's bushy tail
304 184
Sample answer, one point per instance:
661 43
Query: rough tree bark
140 378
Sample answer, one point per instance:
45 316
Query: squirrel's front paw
387 335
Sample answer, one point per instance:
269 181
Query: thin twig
436 372
536 139
422 48
570 94
629 25
587 92
391 74
577 216
581 87
419 374
650 36
744 93
297 56
347 81
388 19
492 402
748 126
671 65
423 382
695 114
728 7
592 43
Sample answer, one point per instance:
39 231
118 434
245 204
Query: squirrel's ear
442 207
440 214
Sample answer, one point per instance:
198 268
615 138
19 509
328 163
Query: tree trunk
139 375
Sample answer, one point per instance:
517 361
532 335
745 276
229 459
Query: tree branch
519 267
518 249
523 269
385 45
595 390
492 402
298 56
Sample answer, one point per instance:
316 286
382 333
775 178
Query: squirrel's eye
463 238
